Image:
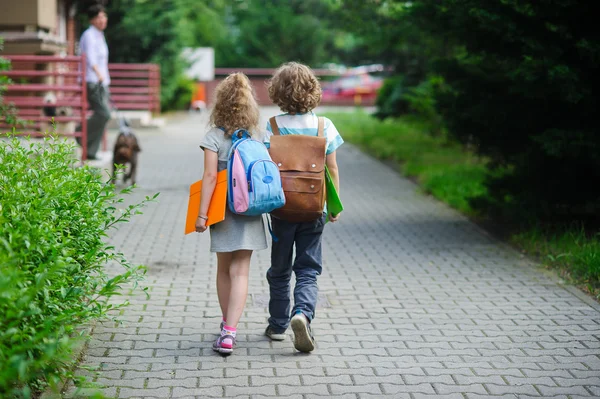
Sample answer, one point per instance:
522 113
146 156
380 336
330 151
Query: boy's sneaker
269 332
303 338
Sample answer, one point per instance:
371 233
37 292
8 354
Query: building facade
38 27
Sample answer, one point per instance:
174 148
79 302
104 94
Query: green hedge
521 87
54 216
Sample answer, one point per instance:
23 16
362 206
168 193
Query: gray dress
236 231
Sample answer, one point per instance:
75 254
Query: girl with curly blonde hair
237 236
235 105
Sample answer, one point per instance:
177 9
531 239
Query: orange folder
216 208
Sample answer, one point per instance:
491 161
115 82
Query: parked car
356 86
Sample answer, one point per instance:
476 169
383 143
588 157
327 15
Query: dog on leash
51 110
126 152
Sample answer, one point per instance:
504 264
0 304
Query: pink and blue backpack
254 184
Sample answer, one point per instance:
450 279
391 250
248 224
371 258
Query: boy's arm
331 163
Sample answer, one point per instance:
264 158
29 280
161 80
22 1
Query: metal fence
135 86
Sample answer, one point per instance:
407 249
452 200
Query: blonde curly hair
294 88
235 105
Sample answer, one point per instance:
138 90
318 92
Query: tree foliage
523 92
518 84
244 33
387 33
157 31
265 33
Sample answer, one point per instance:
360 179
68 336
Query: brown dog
126 152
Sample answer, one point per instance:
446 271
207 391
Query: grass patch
442 167
571 250
456 176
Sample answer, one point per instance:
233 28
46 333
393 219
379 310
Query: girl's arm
331 163
209 181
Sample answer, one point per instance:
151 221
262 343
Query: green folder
334 204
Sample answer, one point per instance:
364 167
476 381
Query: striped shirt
305 124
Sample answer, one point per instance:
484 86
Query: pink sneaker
224 344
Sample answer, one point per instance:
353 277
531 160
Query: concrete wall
34 27
34 13
47 14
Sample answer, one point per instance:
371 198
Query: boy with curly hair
296 90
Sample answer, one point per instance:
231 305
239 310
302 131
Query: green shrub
397 98
421 102
390 99
54 217
523 91
183 94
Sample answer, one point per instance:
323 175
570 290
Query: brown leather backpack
301 162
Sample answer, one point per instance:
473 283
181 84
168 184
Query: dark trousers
307 265
98 97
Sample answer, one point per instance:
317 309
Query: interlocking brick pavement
417 302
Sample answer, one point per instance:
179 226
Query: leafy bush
421 101
396 98
524 93
183 94
390 99
54 217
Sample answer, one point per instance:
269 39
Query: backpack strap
274 127
240 134
321 127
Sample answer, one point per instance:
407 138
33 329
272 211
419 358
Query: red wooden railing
135 86
33 78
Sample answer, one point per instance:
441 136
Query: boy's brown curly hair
294 88
235 105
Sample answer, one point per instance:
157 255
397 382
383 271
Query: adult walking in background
93 45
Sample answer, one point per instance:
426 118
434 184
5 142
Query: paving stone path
416 302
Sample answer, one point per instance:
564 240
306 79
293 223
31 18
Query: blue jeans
307 266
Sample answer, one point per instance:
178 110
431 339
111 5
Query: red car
357 88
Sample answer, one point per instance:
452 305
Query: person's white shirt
93 45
